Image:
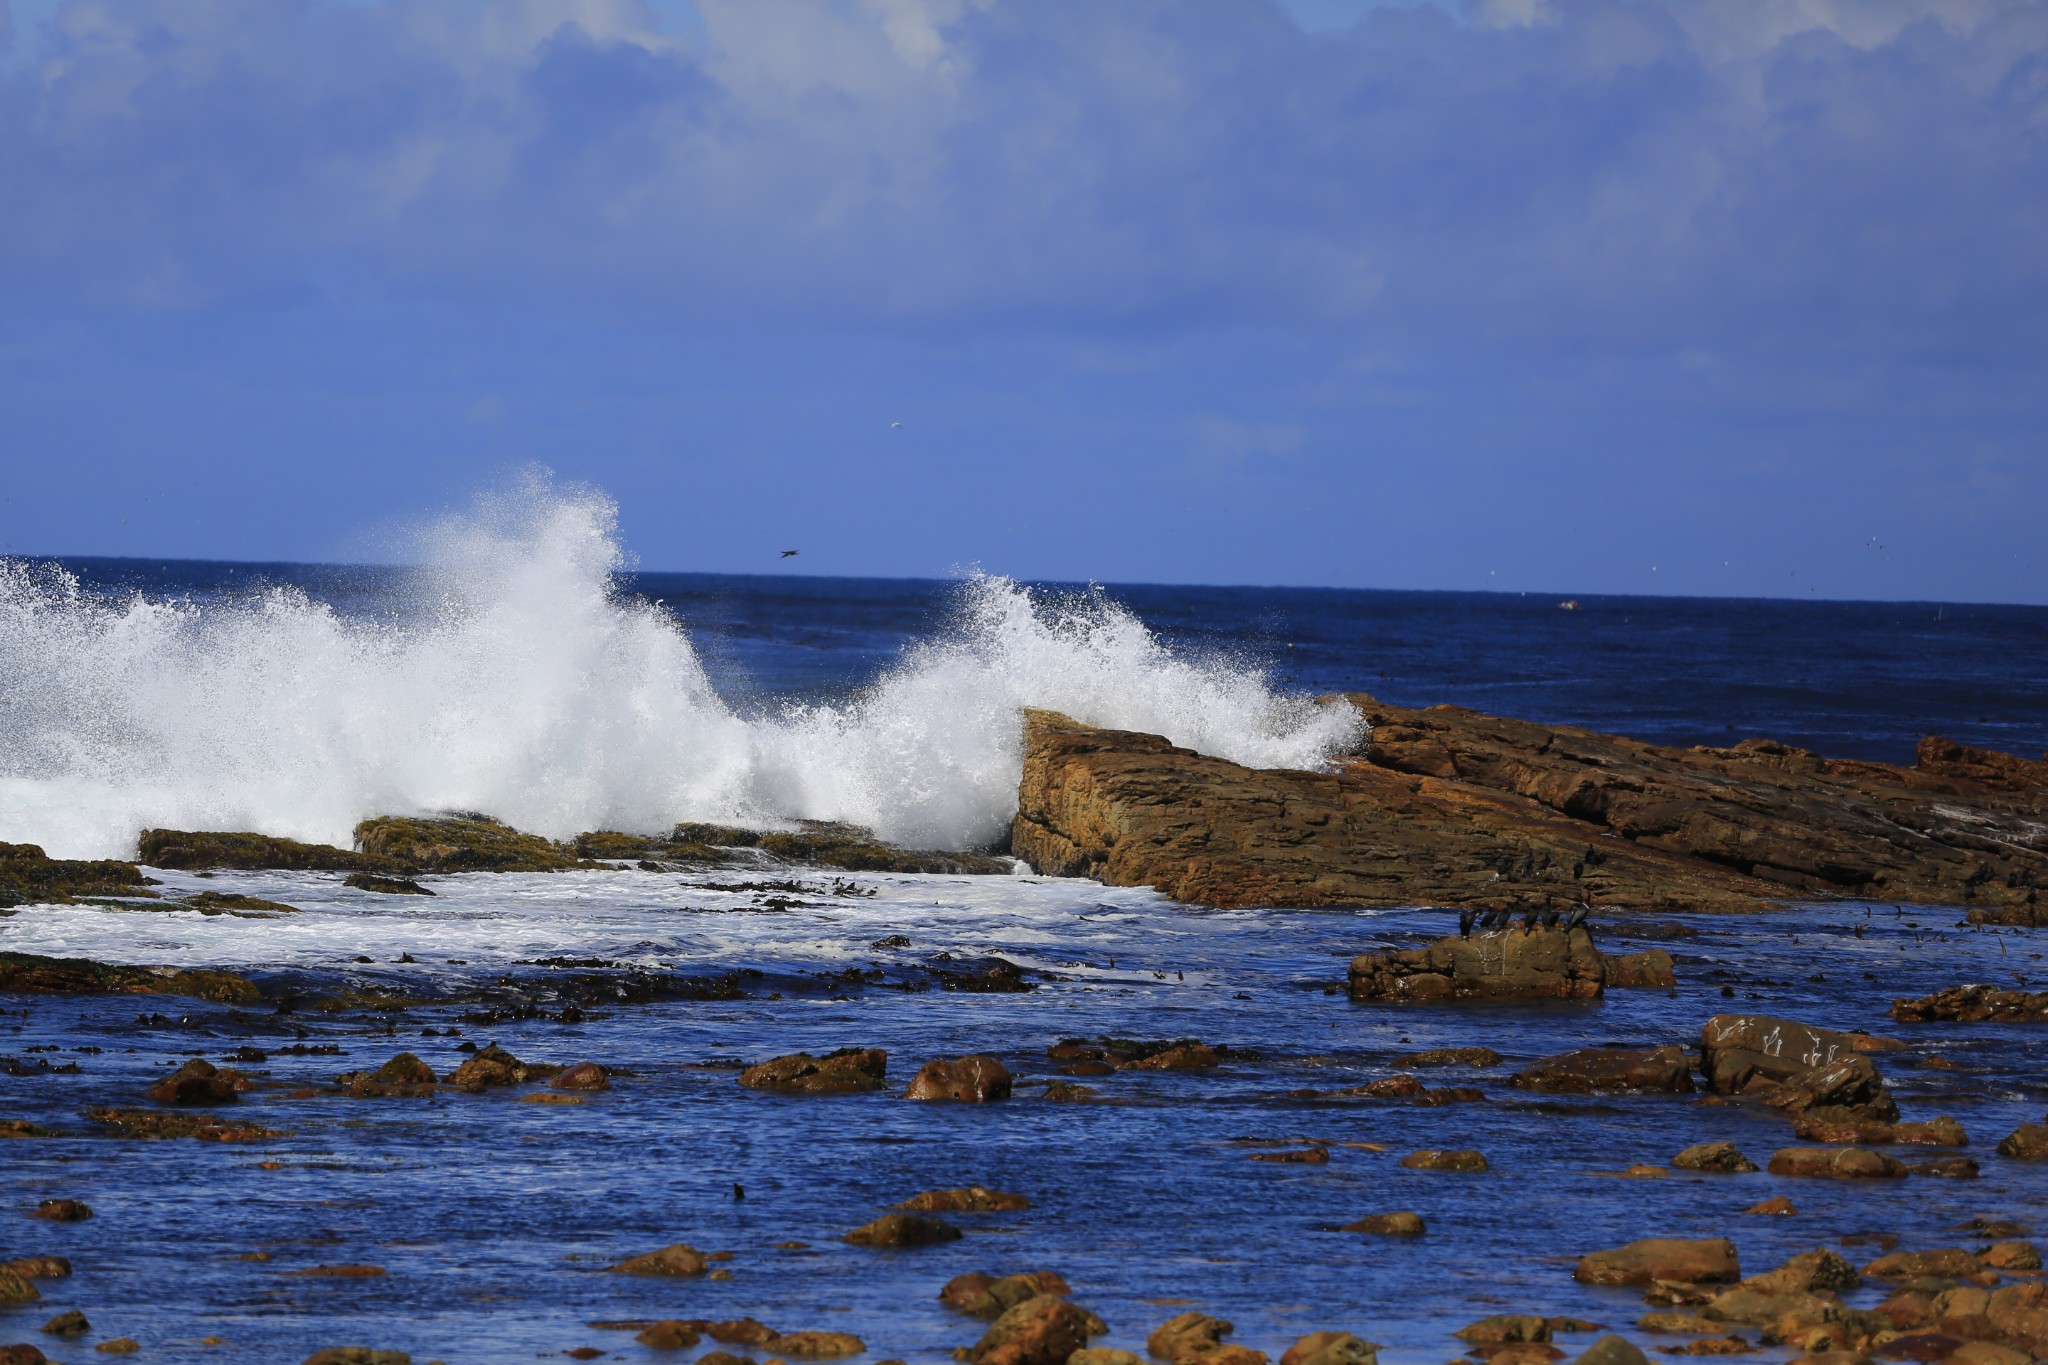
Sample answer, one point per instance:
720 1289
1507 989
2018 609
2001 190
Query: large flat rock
1445 806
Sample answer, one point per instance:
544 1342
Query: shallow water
493 1217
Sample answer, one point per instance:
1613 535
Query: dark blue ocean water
1848 679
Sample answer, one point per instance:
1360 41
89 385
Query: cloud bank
1848 175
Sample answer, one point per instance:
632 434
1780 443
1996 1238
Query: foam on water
518 682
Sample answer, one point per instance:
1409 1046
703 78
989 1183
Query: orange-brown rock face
1445 806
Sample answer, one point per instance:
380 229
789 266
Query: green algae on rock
28 876
82 976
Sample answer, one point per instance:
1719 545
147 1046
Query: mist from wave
517 680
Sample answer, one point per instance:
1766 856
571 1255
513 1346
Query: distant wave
520 683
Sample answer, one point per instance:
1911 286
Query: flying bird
895 426
787 553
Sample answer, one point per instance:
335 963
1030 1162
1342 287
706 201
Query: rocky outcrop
1683 1260
966 1199
199 850
825 844
1609 1070
82 976
29 877
1792 1065
1974 1004
902 1230
847 1071
1512 964
457 843
1444 806
976 1078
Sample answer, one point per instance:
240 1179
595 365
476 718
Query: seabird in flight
787 553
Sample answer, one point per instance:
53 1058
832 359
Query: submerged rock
1725 1157
978 1078
1609 1070
581 1076
403 1077
987 1296
1707 1260
1331 1348
966 1199
63 1210
681 1259
847 847
848 1071
199 1082
16 1289
385 886
1432 1159
668 1335
1835 1163
902 1230
1197 1339
1450 1056
815 1345
1512 964
1390 1224
1649 970
492 1067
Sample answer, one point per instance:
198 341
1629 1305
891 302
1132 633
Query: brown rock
963 1290
741 1332
1683 1260
1947 1168
1988 1353
1189 1056
680 1259
15 1288
1193 1339
1850 1083
1743 1053
119 1346
458 844
976 1078
198 1082
404 1076
902 1230
1613 1350
198 850
582 1076
339 1272
1386 1088
151 1126
1947 1263
1331 1348
1303 1156
1607 1070
63 1210
847 1071
2028 1142
668 1335
2012 1255
356 1355
1974 1004
816 1345
1431 1159
1724 1157
22 1354
1819 1271
1513 964
1043 1330
39 1267
1390 1225
385 886
1652 970
1099 1355
1835 1163
71 1323
984 1296
1777 1205
405 1069
82 976
1504 1329
1450 1056
966 1199
490 1068
723 1358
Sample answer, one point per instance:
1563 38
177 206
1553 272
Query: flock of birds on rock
1501 916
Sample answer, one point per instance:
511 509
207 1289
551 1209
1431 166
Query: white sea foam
519 683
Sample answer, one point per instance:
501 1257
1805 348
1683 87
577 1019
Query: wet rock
15 1288
198 1082
489 1069
63 1210
1850 1083
39 1267
668 1335
1043 1330
1724 1157
340 1272
152 1126
1946 1168
1189 1056
1608 1070
1390 1224
1103 1355
976 1078
22 1129
966 1199
119 1346
404 1076
1304 1156
1387 1088
356 1355
1612 1350
385 886
741 1332
235 904
1947 1263
82 976
582 1076
2028 1142
848 847
1831 1124
1331 1348
815 1345
847 1071
1819 1271
986 1296
1450 1056
22 1354
195 850
1834 1163
1988 1353
28 876
682 1259
1432 1159
463 843
1197 1339
1513 964
1066 1092
71 1323
902 1230
1651 970
2012 1255
1684 1323
1974 1004
723 1358
1504 1329
1709 1260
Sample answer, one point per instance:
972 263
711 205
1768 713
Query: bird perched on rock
1465 918
1577 917
1550 917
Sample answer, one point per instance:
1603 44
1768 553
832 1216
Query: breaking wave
519 682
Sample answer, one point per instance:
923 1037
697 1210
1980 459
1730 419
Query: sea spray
518 681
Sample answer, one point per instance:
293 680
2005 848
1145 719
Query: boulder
39 1267
63 1210
1609 1070
1450 1056
1043 1330
1776 1206
28 876
458 843
1709 1260
1390 1225
815 1345
357 1355
154 1125
1188 1056
1513 964
15 1288
488 1069
198 1082
1612 1350
1651 970
823 844
1433 1159
1849 1083
1974 1004
1505 1329
1101 1355
902 1230
2011 1255
1331 1348
681 1259
1835 1163
1819 1271
1751 1053
1951 1263
582 1076
965 1199
404 1076
974 1078
985 1296
2028 1142
385 886
1197 1339
741 1332
668 1335
1724 1157
70 1323
850 1070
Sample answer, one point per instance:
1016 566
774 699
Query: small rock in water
582 1076
1390 1224
1331 1348
68 1324
1450 1056
1708 1260
902 1230
119 1346
966 1199
63 1211
1613 1350
386 886
815 1345
1433 1159
357 1355
847 1071
680 1259
668 1335
1835 1163
1777 1205
1714 1156
976 1078
197 1082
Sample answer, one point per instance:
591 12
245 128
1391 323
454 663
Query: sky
1727 297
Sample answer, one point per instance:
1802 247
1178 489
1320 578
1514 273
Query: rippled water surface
494 1218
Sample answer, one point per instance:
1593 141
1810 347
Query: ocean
526 671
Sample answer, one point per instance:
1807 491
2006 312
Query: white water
519 684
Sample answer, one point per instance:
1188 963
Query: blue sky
1696 296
